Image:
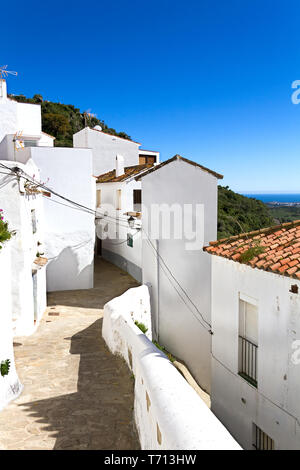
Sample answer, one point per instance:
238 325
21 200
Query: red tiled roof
275 249
129 171
179 157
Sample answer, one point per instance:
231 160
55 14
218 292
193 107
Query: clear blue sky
210 80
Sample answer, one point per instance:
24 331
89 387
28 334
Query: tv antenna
4 72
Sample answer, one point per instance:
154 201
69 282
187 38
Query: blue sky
210 80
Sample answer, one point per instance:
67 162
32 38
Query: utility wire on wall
19 173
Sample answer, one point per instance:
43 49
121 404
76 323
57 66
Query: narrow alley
76 394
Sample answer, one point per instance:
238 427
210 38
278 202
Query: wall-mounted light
131 222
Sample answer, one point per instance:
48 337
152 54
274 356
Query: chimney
119 165
3 90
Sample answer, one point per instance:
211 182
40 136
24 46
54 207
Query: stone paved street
76 394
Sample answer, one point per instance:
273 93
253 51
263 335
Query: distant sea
269 197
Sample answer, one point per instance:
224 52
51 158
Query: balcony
248 360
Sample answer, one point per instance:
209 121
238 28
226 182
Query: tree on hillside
56 125
237 213
76 120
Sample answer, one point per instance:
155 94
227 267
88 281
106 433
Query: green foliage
141 326
4 367
161 348
71 120
282 214
56 125
240 214
249 254
5 234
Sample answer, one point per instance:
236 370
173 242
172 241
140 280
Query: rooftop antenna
4 72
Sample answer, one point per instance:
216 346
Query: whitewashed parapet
10 386
169 414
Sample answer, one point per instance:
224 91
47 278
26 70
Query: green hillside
283 214
237 213
64 120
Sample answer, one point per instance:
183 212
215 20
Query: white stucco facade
176 323
105 147
20 125
15 117
28 279
113 227
10 386
169 414
69 232
274 405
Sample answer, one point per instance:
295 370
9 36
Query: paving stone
76 394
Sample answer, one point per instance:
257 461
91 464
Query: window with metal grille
248 342
137 200
261 440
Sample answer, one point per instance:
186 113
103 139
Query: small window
130 240
261 440
147 159
118 202
33 220
248 342
30 143
98 197
137 200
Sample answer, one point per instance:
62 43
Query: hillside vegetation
63 120
238 214
283 214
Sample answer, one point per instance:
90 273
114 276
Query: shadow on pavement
100 414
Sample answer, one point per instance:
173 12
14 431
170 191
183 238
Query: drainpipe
158 289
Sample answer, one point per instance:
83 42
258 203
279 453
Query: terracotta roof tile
274 249
129 172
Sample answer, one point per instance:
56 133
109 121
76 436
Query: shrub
141 326
4 367
5 234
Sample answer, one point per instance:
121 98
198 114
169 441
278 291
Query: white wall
46 140
169 414
115 248
274 406
19 117
17 206
176 326
69 233
10 386
105 147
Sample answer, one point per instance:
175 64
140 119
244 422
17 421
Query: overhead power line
18 172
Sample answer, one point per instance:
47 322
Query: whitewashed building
105 147
179 217
69 232
23 208
20 125
119 206
10 386
256 336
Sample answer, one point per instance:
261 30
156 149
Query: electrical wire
177 282
116 221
